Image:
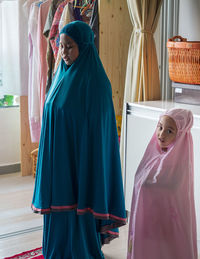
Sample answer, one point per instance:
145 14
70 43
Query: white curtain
10 47
12 52
142 74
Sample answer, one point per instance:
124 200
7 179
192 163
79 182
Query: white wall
9 136
189 19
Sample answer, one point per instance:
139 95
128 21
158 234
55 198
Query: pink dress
162 220
33 82
42 45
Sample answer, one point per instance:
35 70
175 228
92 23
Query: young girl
162 221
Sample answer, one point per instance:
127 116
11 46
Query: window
9 49
9 101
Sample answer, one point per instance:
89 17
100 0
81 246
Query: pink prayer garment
162 220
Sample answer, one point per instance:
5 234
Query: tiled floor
21 230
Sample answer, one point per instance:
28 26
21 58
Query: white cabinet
141 121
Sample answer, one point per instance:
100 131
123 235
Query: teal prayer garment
78 175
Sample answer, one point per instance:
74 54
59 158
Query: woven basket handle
177 37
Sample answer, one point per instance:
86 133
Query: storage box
184 93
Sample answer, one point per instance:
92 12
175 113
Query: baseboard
21 232
7 169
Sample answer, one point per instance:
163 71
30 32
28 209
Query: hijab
163 212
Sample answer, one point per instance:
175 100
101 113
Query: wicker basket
34 155
184 60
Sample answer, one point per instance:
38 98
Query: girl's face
166 132
69 49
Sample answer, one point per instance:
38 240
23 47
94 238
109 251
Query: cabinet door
139 133
196 141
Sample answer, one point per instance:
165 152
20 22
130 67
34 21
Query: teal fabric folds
78 164
69 236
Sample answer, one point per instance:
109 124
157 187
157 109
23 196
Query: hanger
82 3
86 8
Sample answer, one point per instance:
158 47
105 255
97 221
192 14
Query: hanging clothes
27 7
40 75
78 160
42 45
54 31
66 17
50 58
77 14
52 9
33 85
94 24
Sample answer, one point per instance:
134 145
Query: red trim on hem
106 229
79 211
40 210
64 207
107 215
113 233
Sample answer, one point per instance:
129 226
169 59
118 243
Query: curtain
9 47
142 74
12 52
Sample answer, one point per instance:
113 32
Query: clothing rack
115 30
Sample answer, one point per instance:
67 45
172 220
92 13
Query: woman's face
166 132
69 49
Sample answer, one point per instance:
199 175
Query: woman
162 221
78 184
